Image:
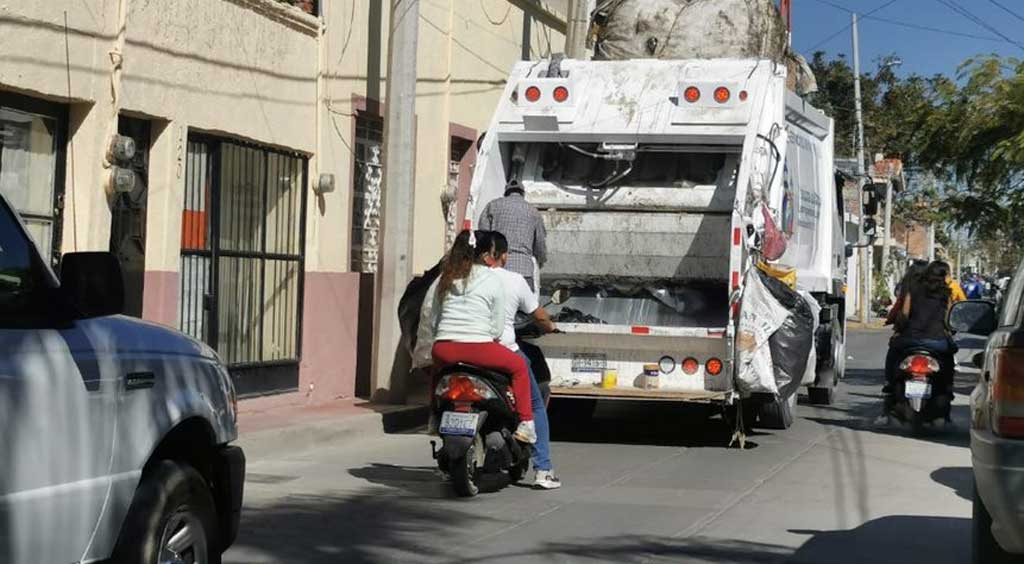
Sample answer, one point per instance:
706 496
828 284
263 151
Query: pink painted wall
329 331
160 297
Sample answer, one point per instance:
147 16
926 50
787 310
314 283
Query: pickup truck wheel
984 548
777 414
172 520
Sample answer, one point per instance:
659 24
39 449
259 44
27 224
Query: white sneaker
546 480
526 432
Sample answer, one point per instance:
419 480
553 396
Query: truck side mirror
93 283
849 251
870 203
977 317
870 228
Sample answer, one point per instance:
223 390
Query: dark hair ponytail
934 280
461 258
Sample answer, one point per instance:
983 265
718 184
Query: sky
923 52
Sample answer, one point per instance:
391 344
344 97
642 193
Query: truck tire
172 517
829 375
777 414
984 547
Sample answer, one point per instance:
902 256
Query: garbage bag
811 372
411 305
792 342
761 315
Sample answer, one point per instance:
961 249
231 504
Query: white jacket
473 312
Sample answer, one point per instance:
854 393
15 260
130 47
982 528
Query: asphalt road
644 484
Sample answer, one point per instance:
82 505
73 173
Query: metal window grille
366 192
243 259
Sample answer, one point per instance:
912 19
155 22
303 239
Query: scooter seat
486 374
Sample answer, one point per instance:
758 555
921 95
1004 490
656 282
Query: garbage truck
662 183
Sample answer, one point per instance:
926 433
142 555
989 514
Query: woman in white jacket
464 316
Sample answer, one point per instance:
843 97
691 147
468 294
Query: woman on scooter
468 317
921 321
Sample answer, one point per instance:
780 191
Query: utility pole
391 369
866 258
886 242
931 242
577 26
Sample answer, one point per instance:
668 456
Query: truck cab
115 432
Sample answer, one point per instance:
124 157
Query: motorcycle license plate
917 389
453 423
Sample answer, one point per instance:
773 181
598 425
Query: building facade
248 214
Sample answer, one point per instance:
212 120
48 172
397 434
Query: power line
849 25
902 24
970 15
1007 10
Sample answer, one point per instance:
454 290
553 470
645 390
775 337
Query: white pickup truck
114 432
650 175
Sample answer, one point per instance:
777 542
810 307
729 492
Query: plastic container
652 380
609 378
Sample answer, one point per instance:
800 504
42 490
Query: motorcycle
922 390
476 415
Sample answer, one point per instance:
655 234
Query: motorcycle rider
467 318
921 320
520 298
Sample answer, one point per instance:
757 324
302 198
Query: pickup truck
114 433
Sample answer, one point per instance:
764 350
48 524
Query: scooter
477 418
922 390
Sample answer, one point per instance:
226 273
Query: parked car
114 433
997 425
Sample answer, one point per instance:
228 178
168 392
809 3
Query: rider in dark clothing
921 321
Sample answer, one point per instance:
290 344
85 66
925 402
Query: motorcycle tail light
1007 381
919 365
463 388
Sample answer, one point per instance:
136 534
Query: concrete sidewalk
286 430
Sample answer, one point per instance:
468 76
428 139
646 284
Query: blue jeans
541 450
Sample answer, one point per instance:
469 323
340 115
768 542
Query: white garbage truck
658 182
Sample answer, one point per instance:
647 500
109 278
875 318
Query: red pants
492 356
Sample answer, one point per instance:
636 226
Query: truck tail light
560 94
1008 393
722 94
714 367
532 94
690 366
691 94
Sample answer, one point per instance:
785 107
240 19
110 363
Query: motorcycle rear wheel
464 473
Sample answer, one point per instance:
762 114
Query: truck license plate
453 423
916 389
589 362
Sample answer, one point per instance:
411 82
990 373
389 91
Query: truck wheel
984 548
464 473
820 396
830 374
777 414
172 518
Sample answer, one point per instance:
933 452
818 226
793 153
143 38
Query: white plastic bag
761 315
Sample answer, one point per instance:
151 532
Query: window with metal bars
242 259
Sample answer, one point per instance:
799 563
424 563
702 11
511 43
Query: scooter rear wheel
464 473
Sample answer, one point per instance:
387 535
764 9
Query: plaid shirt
523 226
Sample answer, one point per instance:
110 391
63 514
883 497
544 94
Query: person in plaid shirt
523 226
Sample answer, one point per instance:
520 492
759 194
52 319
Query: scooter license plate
453 423
917 389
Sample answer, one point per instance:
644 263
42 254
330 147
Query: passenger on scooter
467 316
921 321
521 299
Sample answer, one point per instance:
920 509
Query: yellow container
610 378
784 273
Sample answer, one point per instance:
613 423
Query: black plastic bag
791 344
411 304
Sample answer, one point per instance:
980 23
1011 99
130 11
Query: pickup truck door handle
139 380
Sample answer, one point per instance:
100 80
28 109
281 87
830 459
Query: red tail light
690 366
743 95
1008 393
560 94
722 94
691 94
919 365
461 388
532 94
714 367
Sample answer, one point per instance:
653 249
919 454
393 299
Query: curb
307 436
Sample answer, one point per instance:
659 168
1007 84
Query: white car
114 432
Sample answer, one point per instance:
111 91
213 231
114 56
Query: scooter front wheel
464 473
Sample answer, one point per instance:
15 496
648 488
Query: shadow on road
958 478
